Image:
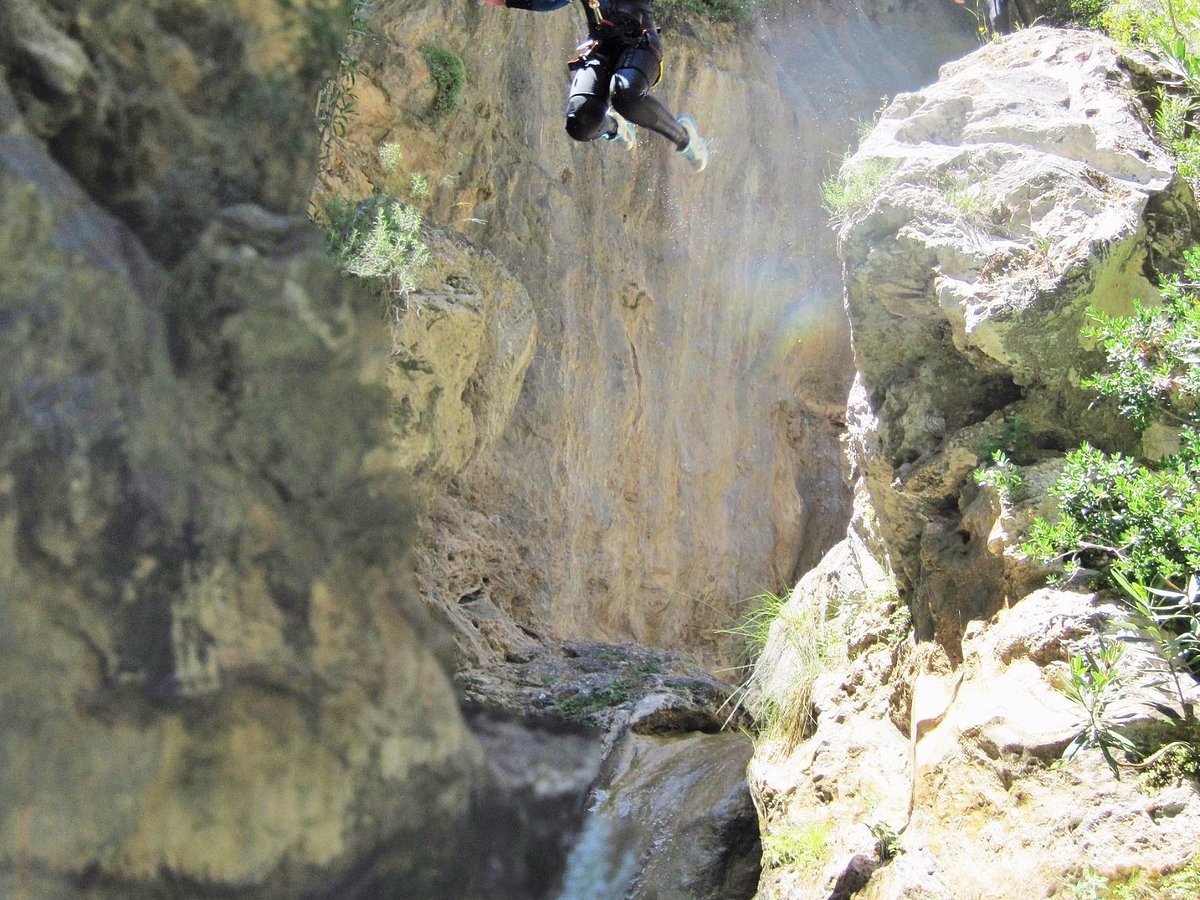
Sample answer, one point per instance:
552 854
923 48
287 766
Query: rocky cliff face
213 676
674 447
1018 191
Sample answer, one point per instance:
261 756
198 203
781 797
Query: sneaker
625 135
696 149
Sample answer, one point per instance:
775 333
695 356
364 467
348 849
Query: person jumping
612 74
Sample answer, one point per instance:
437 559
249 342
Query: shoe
625 135
696 149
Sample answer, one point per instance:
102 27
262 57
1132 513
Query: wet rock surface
612 769
602 686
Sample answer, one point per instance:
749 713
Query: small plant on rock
379 239
449 77
804 847
777 692
1002 475
1095 682
887 841
855 187
389 158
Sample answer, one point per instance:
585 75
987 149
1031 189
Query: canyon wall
999 205
215 678
675 445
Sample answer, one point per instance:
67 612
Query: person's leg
636 71
587 100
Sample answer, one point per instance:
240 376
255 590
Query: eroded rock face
692 356
1018 191
213 675
969 280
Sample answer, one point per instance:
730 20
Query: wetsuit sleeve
537 5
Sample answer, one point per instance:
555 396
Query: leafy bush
389 157
377 238
449 76
1154 355
1174 123
1095 681
1003 475
1141 519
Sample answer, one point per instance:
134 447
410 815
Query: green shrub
1095 682
1176 128
1003 475
1154 354
418 186
379 239
1138 520
1143 520
1012 439
449 76
389 157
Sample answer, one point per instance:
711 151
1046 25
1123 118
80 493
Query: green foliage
1153 25
1137 885
1095 682
379 239
676 12
804 847
389 158
1154 354
629 682
1165 627
755 625
1173 119
887 841
1013 440
449 76
855 187
1084 12
1168 623
777 692
1141 519
1179 762
335 102
418 186
1003 475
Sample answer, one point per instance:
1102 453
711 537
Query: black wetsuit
618 65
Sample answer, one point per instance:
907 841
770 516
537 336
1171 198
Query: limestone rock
692 355
965 307
971 274
462 342
213 671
